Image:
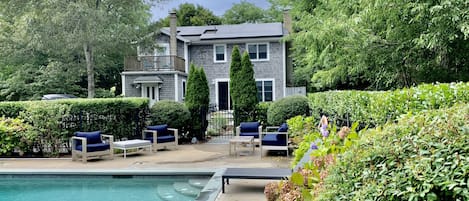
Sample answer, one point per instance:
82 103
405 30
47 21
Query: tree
247 100
190 15
391 44
243 12
77 32
197 101
235 82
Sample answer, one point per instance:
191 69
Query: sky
218 7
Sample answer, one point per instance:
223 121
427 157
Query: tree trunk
89 69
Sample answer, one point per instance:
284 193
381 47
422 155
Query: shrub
423 157
261 112
285 108
169 112
15 134
377 108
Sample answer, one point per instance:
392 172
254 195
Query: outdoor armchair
277 140
249 129
161 136
86 145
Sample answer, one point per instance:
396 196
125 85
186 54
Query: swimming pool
104 186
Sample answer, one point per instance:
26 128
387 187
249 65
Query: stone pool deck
199 156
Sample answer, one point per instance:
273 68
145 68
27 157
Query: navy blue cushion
160 129
94 147
271 140
91 137
255 134
282 128
249 127
162 139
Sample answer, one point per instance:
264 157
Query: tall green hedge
423 157
379 107
286 108
56 121
197 101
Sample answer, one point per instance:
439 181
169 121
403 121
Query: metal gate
220 127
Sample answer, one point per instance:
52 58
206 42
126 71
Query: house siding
166 91
165 39
202 55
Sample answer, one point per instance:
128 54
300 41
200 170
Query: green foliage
246 101
235 70
261 112
15 134
173 113
49 130
191 15
422 157
243 12
56 47
56 121
286 108
380 45
377 108
197 100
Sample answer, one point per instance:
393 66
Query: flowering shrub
422 157
15 135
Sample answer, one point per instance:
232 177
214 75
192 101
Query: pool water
100 188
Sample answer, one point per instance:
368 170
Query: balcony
154 63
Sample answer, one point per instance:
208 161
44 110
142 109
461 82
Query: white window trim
215 53
257 45
216 81
273 88
184 85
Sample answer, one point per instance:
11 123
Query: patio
196 156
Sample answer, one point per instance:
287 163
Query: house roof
237 31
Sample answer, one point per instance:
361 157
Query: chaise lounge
161 136
275 140
91 145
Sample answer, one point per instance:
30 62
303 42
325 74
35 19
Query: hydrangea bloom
314 146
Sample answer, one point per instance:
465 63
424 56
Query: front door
224 102
150 91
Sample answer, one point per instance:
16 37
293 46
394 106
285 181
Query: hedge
376 108
173 113
56 121
286 108
423 157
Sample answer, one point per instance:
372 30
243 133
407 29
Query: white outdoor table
241 140
132 144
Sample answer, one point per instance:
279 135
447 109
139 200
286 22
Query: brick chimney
287 23
172 33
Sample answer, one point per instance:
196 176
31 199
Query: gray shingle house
161 74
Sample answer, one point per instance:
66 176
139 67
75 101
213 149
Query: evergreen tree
235 70
248 95
197 101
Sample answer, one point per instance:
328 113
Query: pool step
186 189
198 183
167 193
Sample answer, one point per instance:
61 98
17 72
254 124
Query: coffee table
241 140
132 144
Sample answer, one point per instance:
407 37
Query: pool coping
210 192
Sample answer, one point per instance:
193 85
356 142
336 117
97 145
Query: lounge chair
91 145
277 140
249 129
254 173
165 137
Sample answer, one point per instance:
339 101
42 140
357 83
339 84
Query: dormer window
219 53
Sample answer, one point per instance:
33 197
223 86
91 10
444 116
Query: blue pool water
100 188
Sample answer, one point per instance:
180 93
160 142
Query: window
183 89
258 51
265 90
219 53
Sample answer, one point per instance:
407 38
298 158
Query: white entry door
150 91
